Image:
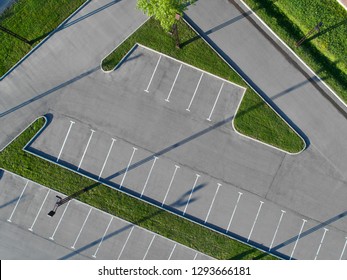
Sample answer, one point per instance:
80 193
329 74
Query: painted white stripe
126 241
278 225
38 213
66 136
195 256
214 197
108 154
191 193
297 239
172 178
102 239
215 102
173 249
155 69
195 91
85 150
321 242
61 218
15 207
343 250
168 97
149 246
255 220
232 215
126 170
84 223
149 175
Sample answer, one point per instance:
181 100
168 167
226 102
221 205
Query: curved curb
44 40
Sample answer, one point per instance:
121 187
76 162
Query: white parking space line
173 249
85 150
168 97
38 213
191 193
149 246
255 220
67 135
195 91
155 69
195 256
149 175
15 207
215 102
126 170
84 223
108 154
172 178
61 218
126 241
321 242
297 239
278 226
232 215
102 239
343 250
214 197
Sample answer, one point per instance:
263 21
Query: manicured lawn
33 20
254 119
14 159
325 52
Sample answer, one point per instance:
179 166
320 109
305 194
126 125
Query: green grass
254 119
32 20
14 159
326 52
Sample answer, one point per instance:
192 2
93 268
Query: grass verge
254 118
14 159
325 52
31 21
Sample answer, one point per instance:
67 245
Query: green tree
165 12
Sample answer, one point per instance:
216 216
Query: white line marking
56 228
38 213
126 170
150 244
126 241
173 249
214 197
15 207
149 175
297 239
278 225
255 220
108 154
191 193
195 91
343 250
168 97
85 150
78 236
102 239
232 215
321 242
66 136
195 256
172 178
215 102
155 69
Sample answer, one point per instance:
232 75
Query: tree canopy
164 10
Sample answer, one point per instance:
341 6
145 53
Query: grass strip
325 52
254 118
31 21
14 159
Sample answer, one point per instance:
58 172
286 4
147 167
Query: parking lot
77 231
165 135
